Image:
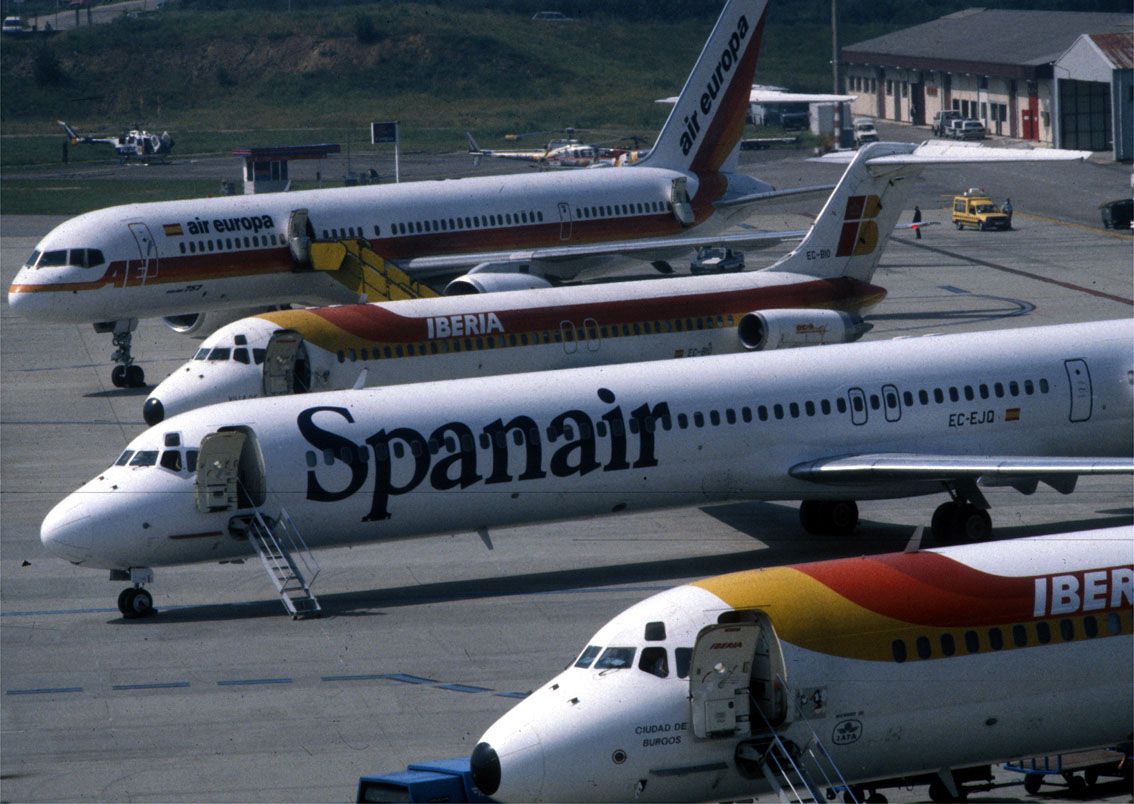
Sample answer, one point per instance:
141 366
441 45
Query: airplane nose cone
485 767
65 531
153 411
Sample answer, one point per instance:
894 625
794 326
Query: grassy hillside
202 73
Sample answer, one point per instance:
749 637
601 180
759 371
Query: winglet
705 124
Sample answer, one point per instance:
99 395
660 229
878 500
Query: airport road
223 698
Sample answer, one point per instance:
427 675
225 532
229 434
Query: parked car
864 131
14 26
965 129
716 260
942 119
1117 214
974 208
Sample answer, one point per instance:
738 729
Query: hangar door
1084 115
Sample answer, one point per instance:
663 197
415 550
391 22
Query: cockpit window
191 460
124 458
588 656
171 460
655 632
654 662
241 356
86 257
52 258
219 354
258 356
682 657
202 353
144 457
615 658
31 261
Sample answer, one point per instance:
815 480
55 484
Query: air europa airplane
871 420
181 259
814 295
849 672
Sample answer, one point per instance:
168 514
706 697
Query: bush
46 68
365 30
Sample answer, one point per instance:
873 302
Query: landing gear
959 522
828 517
134 601
125 374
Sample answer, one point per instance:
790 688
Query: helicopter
137 143
564 153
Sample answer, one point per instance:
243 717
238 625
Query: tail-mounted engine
786 329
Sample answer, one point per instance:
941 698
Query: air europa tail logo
717 82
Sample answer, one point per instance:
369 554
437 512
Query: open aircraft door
218 471
299 235
286 367
720 670
146 265
679 201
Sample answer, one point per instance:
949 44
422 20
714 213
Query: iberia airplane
181 259
858 674
814 295
867 420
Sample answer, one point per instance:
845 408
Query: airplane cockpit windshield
172 457
653 659
58 258
237 352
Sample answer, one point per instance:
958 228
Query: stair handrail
817 743
299 547
786 755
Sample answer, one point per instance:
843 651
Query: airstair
365 272
796 773
279 544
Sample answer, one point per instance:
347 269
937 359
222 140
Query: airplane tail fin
850 234
473 149
74 135
705 124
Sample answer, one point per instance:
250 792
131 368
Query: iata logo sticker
847 732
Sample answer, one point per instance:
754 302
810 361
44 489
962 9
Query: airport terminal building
1058 77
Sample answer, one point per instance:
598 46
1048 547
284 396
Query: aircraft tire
135 603
972 524
941 526
843 517
811 516
1033 782
135 376
118 376
828 517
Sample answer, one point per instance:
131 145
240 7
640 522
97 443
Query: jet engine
764 330
208 322
494 282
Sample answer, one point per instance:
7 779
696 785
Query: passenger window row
611 210
565 334
230 243
1021 635
457 224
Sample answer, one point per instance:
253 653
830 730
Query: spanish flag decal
1012 415
172 230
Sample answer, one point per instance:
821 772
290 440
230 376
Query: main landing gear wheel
958 522
828 517
131 376
135 602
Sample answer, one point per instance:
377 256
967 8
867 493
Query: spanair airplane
872 420
850 674
814 295
180 259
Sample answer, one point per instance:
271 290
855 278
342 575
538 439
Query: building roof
1013 44
288 151
1117 47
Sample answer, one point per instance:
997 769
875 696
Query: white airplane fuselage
897 665
178 257
461 455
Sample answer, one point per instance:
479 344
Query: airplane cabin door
218 471
286 367
567 336
719 677
891 403
564 220
857 400
594 335
146 265
1080 381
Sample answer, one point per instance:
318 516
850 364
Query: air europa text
718 80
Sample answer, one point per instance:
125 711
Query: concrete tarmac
425 643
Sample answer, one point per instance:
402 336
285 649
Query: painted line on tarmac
1018 272
520 695
363 677
43 691
405 678
157 685
462 688
248 682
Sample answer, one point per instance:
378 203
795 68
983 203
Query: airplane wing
1060 473
424 266
937 152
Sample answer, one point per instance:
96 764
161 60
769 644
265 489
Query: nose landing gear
134 601
125 374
